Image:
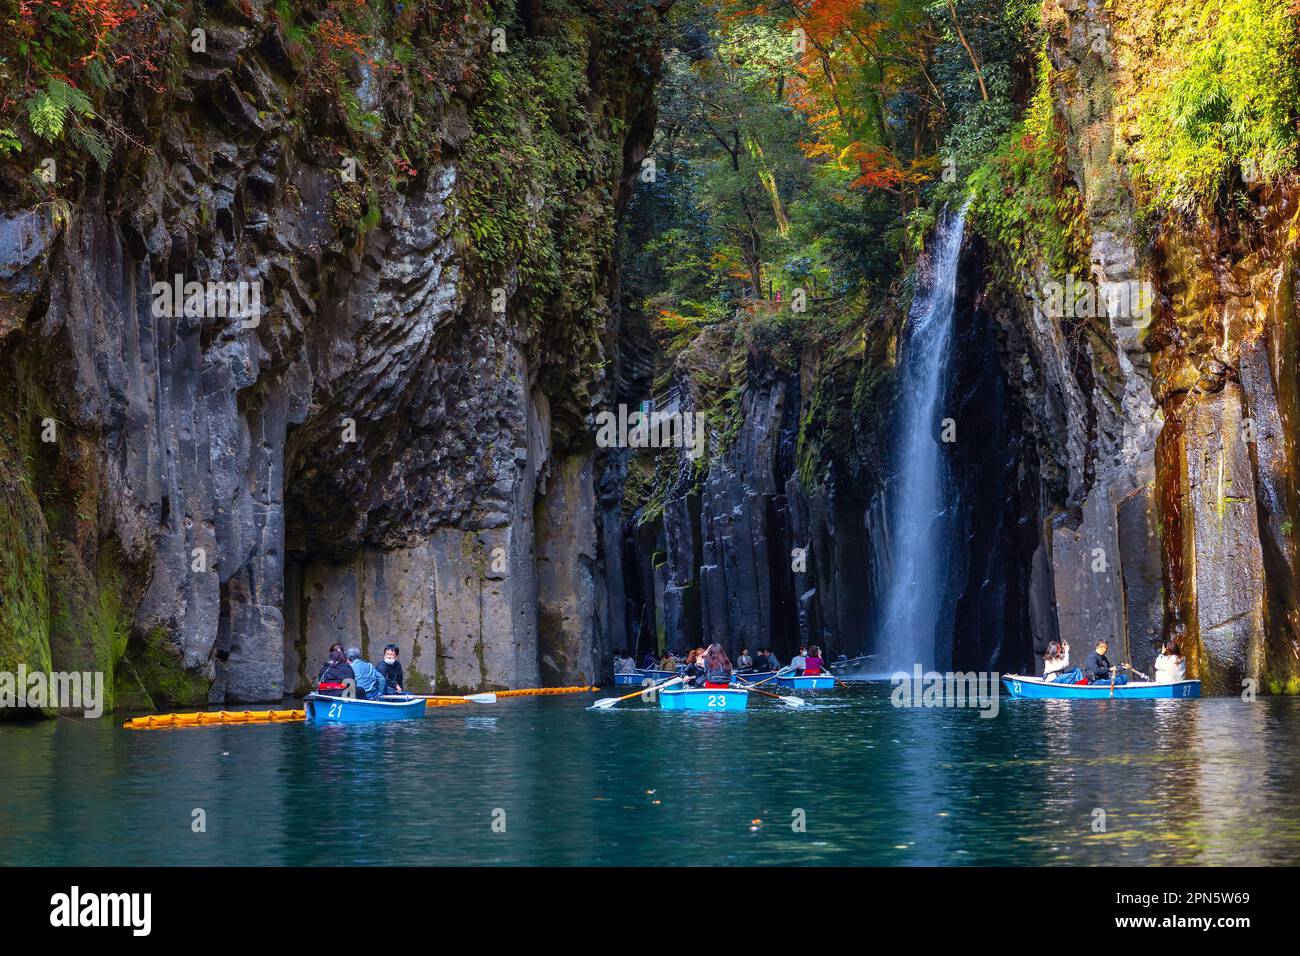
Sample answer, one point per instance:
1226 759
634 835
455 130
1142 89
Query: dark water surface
1215 781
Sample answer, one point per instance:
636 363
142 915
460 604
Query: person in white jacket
1171 666
1056 660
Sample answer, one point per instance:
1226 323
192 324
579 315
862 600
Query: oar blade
482 698
604 703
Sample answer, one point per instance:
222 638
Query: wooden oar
472 698
606 702
791 701
766 679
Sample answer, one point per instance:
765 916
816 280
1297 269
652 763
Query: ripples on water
1215 781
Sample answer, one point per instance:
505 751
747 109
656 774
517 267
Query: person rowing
1097 668
813 663
694 669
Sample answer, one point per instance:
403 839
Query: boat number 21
336 710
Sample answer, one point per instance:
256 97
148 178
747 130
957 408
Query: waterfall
915 624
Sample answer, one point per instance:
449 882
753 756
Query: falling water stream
920 517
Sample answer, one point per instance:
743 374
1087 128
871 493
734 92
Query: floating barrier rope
543 691
206 718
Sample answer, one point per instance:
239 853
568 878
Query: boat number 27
717 700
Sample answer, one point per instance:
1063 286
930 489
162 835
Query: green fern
47 109
94 143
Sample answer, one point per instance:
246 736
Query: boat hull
814 682
1032 688
324 709
638 677
718 701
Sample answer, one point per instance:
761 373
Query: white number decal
1016 684
334 710
717 700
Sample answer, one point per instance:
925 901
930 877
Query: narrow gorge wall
398 447
1166 436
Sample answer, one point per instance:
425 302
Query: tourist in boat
813 663
391 669
744 662
762 662
715 667
1097 668
1056 664
773 662
649 661
797 662
335 673
623 664
370 683
694 670
668 662
1171 666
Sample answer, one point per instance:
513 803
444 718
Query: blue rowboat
323 708
638 677
717 700
809 682
1035 688
753 677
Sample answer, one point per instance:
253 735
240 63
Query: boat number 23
717 700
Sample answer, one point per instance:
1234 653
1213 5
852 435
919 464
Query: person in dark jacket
717 668
1096 666
695 668
391 669
335 672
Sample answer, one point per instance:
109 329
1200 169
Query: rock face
1165 440
395 446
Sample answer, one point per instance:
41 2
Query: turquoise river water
546 781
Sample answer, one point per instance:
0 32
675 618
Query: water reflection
1213 781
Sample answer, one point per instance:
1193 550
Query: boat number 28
717 700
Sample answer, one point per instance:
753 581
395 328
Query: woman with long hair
717 667
1171 666
1056 664
336 671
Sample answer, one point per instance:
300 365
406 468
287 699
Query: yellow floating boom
205 718
544 691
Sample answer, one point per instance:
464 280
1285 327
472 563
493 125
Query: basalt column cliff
394 442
